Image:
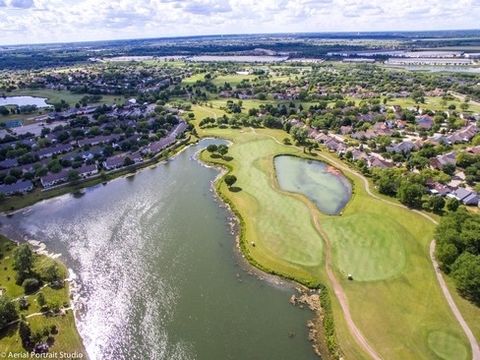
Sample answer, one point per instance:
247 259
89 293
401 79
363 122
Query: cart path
340 293
338 290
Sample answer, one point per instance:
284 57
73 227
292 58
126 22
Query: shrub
30 285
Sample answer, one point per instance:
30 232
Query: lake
159 274
23 101
319 182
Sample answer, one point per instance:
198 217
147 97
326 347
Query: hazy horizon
56 21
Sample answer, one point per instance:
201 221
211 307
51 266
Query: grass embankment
55 96
395 299
67 340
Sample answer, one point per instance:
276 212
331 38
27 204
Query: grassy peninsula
37 313
384 246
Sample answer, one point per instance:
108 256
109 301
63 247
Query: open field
395 286
388 248
55 96
233 79
433 103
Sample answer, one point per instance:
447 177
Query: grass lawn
385 248
233 79
394 299
67 339
433 103
193 79
55 96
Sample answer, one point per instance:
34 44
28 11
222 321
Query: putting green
446 346
367 247
396 303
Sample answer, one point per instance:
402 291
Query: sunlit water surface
158 271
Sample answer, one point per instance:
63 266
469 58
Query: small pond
327 187
23 101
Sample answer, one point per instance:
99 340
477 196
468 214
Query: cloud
70 20
207 7
22 4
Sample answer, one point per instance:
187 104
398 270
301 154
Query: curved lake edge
304 197
234 219
73 295
275 278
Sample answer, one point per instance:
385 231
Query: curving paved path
337 288
446 292
340 293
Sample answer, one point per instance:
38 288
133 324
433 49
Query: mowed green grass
233 79
55 96
446 346
395 299
67 339
279 226
367 248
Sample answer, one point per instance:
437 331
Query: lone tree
23 260
8 311
230 180
25 334
222 149
212 148
410 194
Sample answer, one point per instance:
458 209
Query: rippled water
322 184
159 275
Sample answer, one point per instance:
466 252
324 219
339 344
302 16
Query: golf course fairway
394 299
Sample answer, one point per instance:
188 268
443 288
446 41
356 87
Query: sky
40 21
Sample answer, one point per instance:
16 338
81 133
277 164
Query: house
97 140
425 122
8 164
114 162
403 147
463 135
87 170
439 189
465 196
345 130
475 150
359 155
20 187
335 146
52 179
50 151
374 161
440 161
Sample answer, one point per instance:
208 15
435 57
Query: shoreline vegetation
69 341
41 318
246 247
314 296
324 333
18 202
